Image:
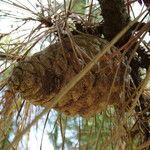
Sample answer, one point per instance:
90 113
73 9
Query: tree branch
115 18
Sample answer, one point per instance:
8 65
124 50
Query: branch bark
115 18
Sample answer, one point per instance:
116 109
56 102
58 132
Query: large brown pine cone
40 77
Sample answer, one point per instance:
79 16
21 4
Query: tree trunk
115 18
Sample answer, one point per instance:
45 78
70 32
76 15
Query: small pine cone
40 77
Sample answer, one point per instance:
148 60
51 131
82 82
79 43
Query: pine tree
92 68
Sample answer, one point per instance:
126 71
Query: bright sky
35 137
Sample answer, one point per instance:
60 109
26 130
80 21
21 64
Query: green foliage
79 6
89 133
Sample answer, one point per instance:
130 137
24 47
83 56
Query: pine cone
40 77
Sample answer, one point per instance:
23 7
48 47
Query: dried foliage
76 73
